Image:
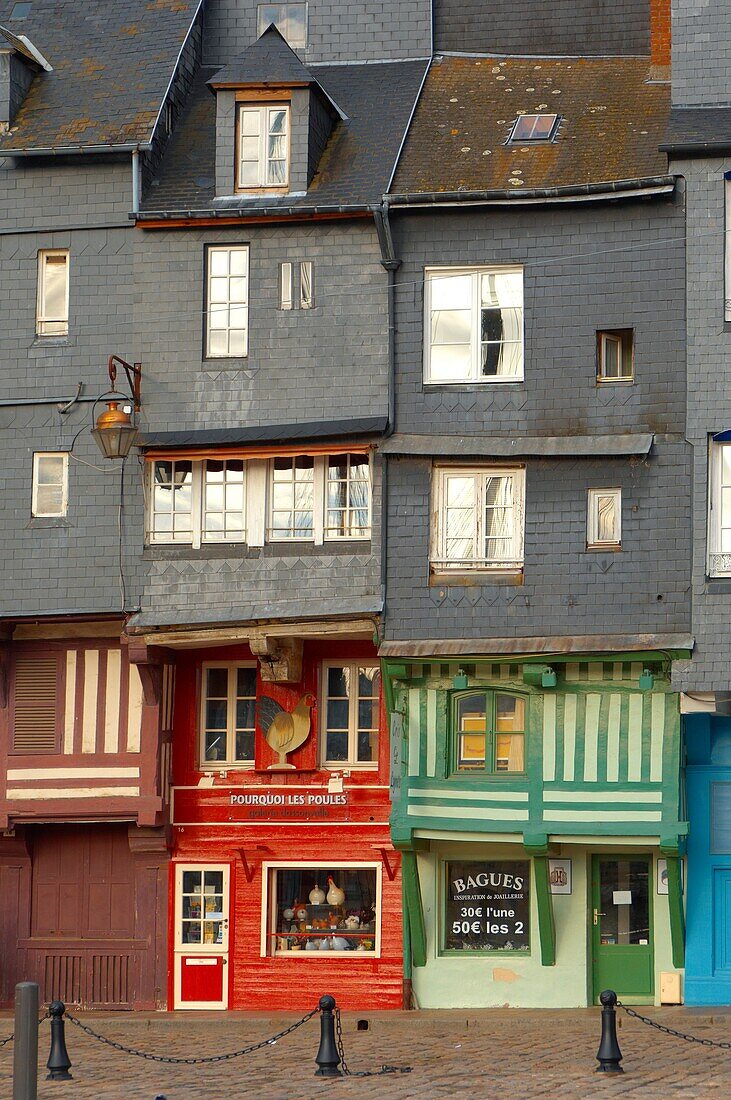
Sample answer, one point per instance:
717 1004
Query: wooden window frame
199 535
230 763
262 102
320 535
623 338
42 320
352 761
490 695
439 563
64 456
209 250
593 542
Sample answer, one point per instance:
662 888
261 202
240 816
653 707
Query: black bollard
609 1055
328 1059
58 1063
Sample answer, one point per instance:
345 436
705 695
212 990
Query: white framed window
351 694
719 510
604 519
263 146
343 920
478 519
52 309
228 715
289 19
197 501
286 296
50 483
319 498
615 356
306 287
227 301
473 325
727 250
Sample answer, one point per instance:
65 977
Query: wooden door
201 936
621 927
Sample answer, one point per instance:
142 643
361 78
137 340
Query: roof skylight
20 11
534 128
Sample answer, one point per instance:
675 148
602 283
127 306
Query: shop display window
203 917
487 906
324 908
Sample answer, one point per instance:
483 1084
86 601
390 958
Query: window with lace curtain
474 325
604 519
478 519
488 730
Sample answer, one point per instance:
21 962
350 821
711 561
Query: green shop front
537 803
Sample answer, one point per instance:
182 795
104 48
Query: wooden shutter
35 725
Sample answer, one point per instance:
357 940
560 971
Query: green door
621 927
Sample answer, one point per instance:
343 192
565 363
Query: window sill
470 385
50 342
447 953
170 551
601 382
47 523
475 579
717 586
606 548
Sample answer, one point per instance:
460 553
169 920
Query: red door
201 935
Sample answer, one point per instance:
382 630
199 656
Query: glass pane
192 881
249 172
471 731
218 261
509 756
367 746
49 499
337 681
245 714
277 170
55 287
369 682
611 349
502 288
509 713
337 714
238 261
337 746
345 920
213 882
192 932
217 682
451 291
606 518
450 363
245 745
246 681
250 121
450 326
216 712
624 916
215 745
49 469
277 122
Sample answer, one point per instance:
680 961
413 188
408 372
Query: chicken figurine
284 730
335 896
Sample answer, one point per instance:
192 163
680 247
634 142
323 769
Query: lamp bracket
134 377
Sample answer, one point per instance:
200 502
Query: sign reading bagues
488 906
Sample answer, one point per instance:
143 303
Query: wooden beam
413 907
544 901
677 914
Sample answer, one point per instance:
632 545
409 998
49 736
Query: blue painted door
708 939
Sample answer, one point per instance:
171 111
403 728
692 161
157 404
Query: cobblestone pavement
507 1054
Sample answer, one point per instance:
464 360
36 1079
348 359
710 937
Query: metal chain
363 1072
672 1031
192 1061
10 1038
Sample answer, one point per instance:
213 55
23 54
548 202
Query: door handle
597 915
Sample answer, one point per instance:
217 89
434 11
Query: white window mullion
231 716
196 504
479 548
318 499
476 326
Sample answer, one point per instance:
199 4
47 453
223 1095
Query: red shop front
284 883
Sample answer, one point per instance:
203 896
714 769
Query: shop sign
223 805
488 906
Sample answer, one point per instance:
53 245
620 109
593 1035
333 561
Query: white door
201 935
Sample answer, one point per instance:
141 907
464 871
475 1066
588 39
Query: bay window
479 519
197 501
474 325
320 498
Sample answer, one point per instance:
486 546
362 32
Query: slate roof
698 129
112 63
612 124
268 433
354 169
268 60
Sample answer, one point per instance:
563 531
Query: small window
352 695
318 499
719 511
306 299
604 519
534 128
263 147
227 302
614 348
52 314
50 484
289 19
286 300
21 11
330 908
194 502
489 732
228 715
474 325
479 519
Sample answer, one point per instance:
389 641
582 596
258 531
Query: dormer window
529 128
262 162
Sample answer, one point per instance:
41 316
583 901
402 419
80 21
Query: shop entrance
201 936
621 927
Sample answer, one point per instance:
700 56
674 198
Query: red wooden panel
201 979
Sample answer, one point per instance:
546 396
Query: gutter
593 192
690 148
75 150
238 212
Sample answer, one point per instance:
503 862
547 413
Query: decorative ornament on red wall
284 730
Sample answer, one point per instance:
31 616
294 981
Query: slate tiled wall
319 364
709 411
543 27
586 268
367 31
701 53
567 590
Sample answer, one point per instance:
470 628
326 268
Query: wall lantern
539 676
548 677
647 680
460 681
115 431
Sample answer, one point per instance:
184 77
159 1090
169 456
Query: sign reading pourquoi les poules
488 906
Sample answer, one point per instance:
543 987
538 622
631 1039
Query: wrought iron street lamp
115 431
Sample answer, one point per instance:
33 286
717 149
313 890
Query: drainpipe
136 180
